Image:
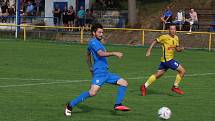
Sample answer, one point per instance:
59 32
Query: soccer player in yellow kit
169 43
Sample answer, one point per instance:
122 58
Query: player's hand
148 53
118 54
179 49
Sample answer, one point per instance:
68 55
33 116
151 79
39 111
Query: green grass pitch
38 78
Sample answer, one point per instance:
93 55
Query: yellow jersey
168 46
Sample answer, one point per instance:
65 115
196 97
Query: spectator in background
121 22
22 12
30 9
71 17
37 7
65 16
167 17
180 18
89 18
81 17
4 10
193 20
57 15
11 12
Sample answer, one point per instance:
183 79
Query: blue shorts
172 64
102 77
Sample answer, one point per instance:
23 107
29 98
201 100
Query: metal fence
123 36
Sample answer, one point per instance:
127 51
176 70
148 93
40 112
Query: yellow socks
150 80
177 80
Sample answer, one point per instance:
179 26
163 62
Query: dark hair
172 24
96 26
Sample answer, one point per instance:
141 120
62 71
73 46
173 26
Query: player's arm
89 61
179 49
102 53
148 53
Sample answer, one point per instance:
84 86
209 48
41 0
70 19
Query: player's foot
143 90
177 90
120 107
68 110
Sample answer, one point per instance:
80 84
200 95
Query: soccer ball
164 113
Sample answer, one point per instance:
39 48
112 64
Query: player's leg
150 80
92 92
121 95
179 77
161 70
97 81
174 65
154 77
83 96
122 87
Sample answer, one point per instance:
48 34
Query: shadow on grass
86 109
154 92
119 113
157 92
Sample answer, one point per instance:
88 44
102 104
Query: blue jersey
167 13
100 63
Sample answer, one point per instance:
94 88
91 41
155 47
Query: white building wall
49 4
87 4
73 3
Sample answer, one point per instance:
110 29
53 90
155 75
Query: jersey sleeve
160 39
96 46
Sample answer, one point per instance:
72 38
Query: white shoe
67 112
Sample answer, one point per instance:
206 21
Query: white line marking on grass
48 83
22 79
190 75
78 81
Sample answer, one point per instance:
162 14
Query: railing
24 19
142 35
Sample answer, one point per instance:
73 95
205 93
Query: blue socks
79 99
121 94
85 95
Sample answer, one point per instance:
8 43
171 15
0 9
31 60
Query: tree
132 13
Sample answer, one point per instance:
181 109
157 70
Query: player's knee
122 83
183 71
92 93
125 83
158 74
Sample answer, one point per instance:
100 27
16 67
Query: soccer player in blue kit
99 70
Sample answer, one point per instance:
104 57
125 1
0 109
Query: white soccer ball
164 113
